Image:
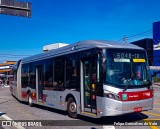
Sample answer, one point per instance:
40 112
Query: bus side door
88 84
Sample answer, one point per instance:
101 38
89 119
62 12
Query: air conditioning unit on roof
53 46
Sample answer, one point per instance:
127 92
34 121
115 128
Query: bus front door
39 83
88 90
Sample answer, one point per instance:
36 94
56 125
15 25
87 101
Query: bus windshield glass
126 68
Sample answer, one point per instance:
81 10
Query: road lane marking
151 113
156 102
152 127
9 119
6 117
156 108
108 127
152 119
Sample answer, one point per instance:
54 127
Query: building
147 44
5 67
156 43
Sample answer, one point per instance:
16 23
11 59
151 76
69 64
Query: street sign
15 8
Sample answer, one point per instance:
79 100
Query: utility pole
125 39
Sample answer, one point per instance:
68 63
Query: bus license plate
138 109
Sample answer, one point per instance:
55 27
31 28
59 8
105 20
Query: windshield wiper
126 86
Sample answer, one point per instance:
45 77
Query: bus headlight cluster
111 95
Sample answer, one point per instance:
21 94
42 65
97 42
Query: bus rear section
15 82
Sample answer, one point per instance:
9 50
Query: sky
70 21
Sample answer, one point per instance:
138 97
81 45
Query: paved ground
157 84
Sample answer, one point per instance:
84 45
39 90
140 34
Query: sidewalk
156 83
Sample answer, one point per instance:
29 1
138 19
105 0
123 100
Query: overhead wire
142 33
135 36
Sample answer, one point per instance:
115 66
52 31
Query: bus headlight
111 95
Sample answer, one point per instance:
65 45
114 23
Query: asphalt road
21 111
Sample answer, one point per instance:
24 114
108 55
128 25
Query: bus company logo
6 123
124 97
21 123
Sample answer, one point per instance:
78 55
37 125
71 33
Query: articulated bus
92 78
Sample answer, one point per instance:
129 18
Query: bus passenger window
72 72
59 73
48 83
74 78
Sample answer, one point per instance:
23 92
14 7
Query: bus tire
72 108
30 100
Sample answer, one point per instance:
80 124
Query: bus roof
79 46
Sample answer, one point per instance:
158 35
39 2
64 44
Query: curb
157 84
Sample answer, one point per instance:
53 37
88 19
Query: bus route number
127 55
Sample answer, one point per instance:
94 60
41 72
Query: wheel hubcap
30 99
73 107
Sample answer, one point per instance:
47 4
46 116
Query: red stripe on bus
44 97
33 95
24 94
139 95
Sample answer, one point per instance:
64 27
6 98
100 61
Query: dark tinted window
32 75
25 75
58 72
48 83
72 71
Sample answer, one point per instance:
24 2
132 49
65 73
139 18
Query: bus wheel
72 108
30 100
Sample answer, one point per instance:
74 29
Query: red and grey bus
93 78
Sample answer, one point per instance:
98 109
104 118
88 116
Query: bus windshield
126 68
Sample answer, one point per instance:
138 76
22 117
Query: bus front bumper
112 107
